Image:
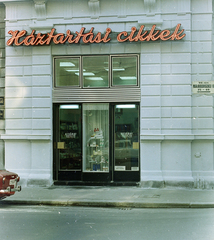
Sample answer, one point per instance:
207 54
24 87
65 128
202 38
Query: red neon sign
21 38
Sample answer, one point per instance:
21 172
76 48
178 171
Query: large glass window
95 71
70 135
124 71
96 137
126 138
96 142
67 72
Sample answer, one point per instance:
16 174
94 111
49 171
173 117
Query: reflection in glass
69 145
95 73
126 139
96 137
67 72
124 71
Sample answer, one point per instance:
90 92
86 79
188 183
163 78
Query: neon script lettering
21 38
151 35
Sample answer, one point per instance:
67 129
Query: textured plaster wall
2 78
176 126
28 130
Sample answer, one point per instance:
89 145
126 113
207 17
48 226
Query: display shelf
70 151
97 155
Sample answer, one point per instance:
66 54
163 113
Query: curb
109 204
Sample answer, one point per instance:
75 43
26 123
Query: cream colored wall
2 78
176 125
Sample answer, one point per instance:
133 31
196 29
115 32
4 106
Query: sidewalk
122 197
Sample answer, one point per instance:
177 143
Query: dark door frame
93 177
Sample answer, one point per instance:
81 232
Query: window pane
95 71
124 71
96 137
126 139
69 145
67 72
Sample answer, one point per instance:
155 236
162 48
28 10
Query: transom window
96 71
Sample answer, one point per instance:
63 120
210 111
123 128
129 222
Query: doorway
67 142
96 142
126 142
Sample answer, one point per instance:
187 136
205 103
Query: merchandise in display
98 162
126 142
96 130
70 157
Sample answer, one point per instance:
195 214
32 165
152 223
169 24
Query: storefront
107 155
108 92
97 139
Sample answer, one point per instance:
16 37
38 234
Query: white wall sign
203 87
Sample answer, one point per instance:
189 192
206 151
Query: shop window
70 135
67 72
126 139
96 137
124 71
96 142
97 71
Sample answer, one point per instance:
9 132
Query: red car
8 183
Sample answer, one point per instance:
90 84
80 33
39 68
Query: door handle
60 145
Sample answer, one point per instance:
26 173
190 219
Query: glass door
96 142
68 142
126 142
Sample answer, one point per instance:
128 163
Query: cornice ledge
13 1
149 5
94 6
153 137
26 137
153 20
43 28
149 2
182 137
40 8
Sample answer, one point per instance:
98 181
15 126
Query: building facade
2 81
99 91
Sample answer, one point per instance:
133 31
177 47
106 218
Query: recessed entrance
126 142
96 142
